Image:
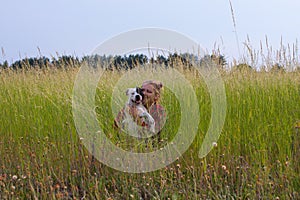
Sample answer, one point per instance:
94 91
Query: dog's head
135 95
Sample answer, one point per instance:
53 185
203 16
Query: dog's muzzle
138 99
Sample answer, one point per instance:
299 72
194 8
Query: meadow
256 157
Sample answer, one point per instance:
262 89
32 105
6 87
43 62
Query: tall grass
42 156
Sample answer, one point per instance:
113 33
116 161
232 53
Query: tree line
126 62
117 62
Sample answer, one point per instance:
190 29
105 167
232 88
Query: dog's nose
137 97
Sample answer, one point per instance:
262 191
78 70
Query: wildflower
14 177
215 144
287 163
57 186
224 167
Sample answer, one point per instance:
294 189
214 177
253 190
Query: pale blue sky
77 27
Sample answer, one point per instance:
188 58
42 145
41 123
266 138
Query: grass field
256 157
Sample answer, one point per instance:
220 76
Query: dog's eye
132 93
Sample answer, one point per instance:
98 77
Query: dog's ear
138 90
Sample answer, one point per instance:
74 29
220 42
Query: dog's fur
135 97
